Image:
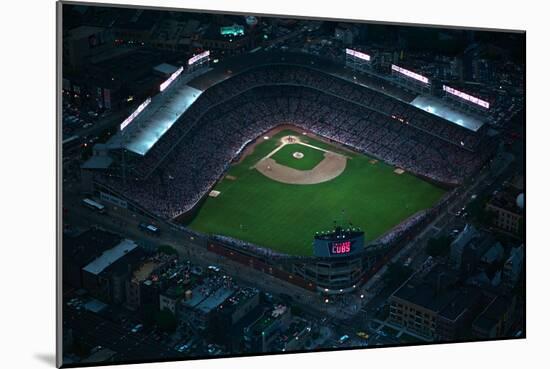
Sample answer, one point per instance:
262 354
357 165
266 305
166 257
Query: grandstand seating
190 158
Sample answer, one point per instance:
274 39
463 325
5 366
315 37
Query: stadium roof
165 69
437 107
164 110
110 256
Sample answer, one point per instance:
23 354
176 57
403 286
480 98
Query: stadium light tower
198 61
357 60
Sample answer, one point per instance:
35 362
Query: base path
329 168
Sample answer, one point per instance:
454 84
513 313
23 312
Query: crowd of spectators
402 228
409 226
303 76
243 245
190 158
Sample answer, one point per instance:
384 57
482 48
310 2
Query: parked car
343 339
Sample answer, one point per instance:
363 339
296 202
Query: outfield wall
260 264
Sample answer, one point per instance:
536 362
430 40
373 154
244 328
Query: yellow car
362 335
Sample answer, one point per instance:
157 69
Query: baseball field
292 185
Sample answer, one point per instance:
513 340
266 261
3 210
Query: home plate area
329 165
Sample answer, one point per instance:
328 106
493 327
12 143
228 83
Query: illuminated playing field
284 217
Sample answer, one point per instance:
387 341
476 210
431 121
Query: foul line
291 143
314 147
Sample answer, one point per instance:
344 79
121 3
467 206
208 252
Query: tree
479 213
167 249
438 246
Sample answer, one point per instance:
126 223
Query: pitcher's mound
329 168
298 155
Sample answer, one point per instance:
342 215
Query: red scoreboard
339 242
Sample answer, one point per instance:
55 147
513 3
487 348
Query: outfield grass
285 217
311 158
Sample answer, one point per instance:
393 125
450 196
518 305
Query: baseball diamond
274 204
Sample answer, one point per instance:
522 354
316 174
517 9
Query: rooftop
215 300
145 270
463 301
110 256
492 313
241 296
268 318
426 296
297 328
434 291
165 69
464 238
197 297
516 257
494 253
82 249
95 306
507 200
174 291
480 246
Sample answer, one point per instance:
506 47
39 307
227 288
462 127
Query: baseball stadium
289 164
